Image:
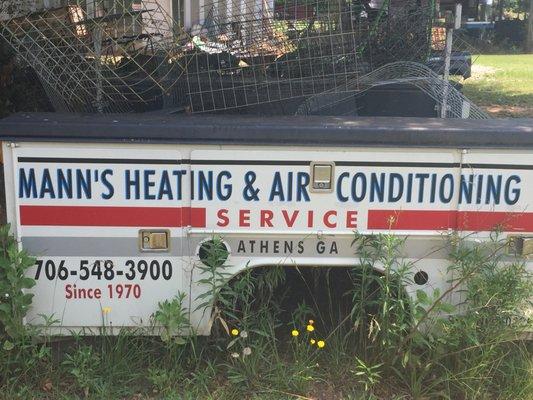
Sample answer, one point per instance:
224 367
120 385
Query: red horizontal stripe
450 219
167 217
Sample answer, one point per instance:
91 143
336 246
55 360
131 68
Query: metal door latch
520 245
322 173
154 240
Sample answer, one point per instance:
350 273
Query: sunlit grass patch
502 84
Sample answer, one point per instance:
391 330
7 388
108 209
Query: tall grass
292 332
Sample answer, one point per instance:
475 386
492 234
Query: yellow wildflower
234 332
295 333
311 322
106 310
312 341
310 328
320 344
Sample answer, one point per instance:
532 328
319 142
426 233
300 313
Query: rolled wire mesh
248 52
130 55
100 55
441 91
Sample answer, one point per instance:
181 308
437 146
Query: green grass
373 348
502 84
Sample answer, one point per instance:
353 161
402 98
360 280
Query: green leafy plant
367 375
382 310
172 316
14 300
165 380
484 336
83 365
213 256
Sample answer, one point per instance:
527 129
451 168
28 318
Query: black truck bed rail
269 131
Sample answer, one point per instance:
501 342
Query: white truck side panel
79 209
87 263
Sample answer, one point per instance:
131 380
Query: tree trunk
529 39
500 9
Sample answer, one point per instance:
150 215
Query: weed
173 318
84 366
14 301
164 380
481 340
22 354
367 375
213 254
